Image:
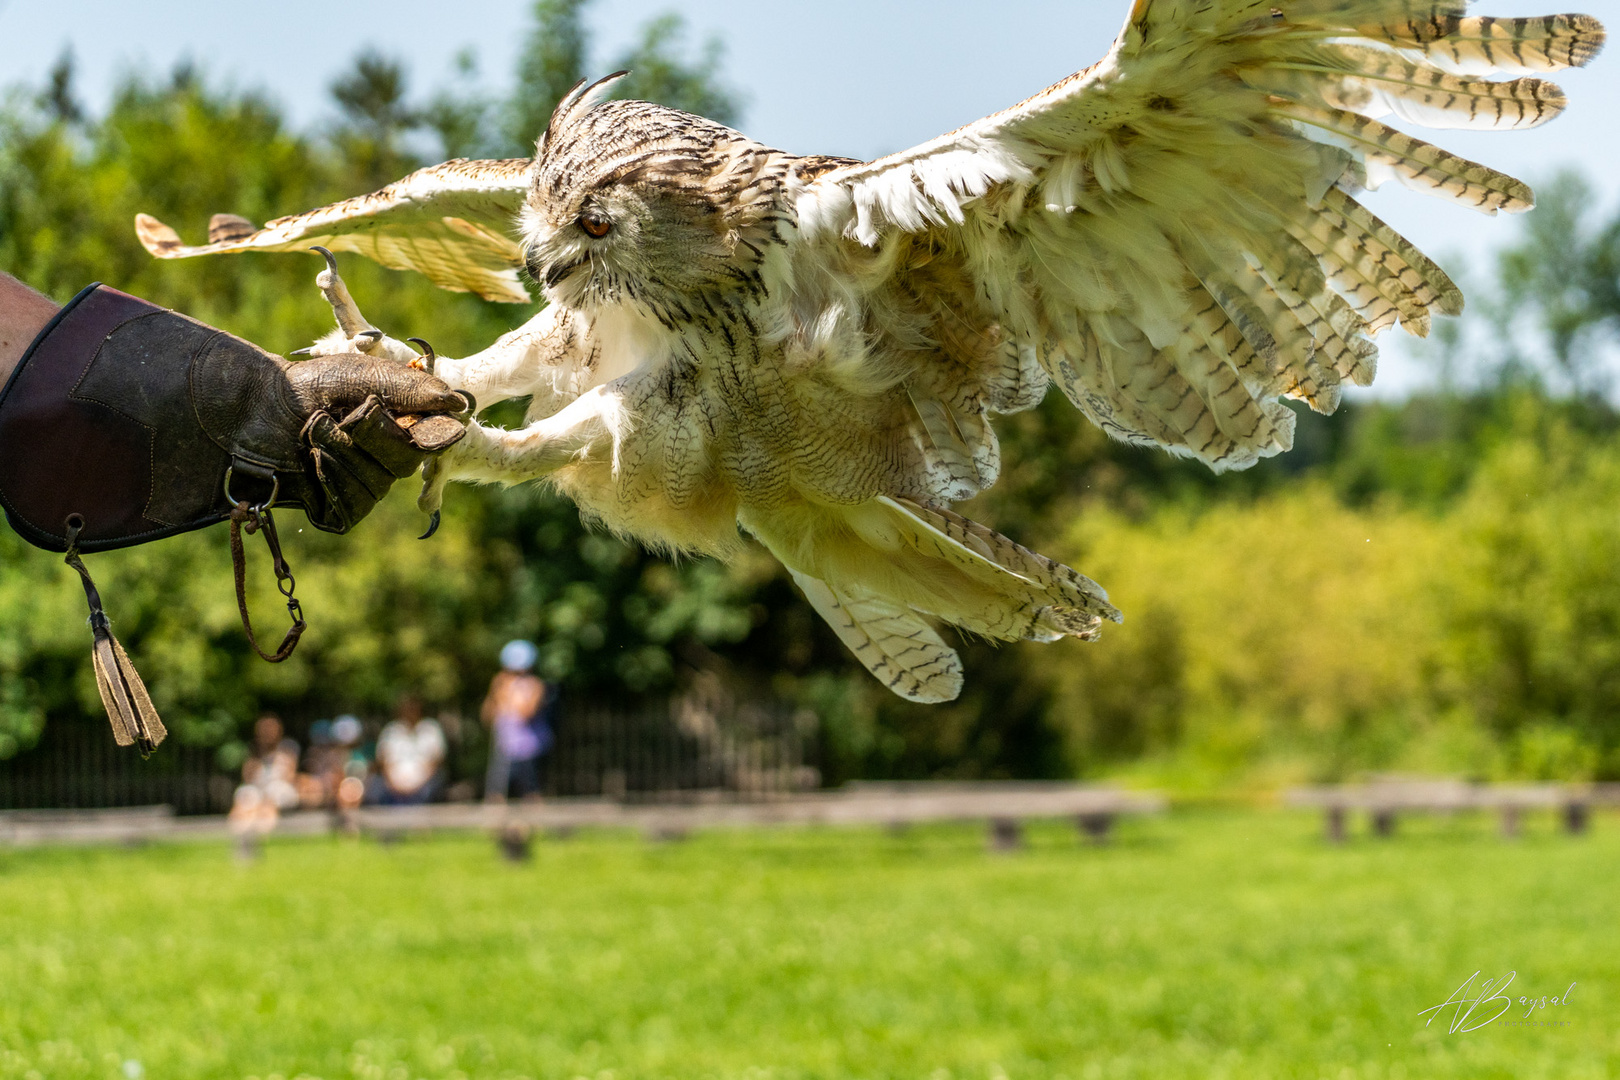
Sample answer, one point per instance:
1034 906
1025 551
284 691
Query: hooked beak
556 274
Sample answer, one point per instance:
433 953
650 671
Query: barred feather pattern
1172 238
890 640
811 351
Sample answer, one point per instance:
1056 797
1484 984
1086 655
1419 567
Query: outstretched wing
1172 236
452 222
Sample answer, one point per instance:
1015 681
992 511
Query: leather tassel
134 719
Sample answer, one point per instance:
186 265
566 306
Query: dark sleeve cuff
102 434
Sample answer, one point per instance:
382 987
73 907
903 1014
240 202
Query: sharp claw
303 352
344 309
429 358
433 527
366 341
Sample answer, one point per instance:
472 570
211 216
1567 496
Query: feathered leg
878 571
494 455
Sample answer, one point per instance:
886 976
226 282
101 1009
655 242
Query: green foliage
1298 636
1229 945
1265 637
658 74
377 119
552 61
1554 303
1564 277
389 613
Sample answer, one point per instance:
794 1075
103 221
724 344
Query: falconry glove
142 423
125 422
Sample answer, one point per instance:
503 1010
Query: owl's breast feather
626 340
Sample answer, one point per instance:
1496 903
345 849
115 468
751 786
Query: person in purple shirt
516 712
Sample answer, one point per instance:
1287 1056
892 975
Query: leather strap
256 519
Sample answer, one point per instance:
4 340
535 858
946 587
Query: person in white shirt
410 756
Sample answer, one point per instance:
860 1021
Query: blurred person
316 784
334 755
515 710
273 768
410 757
347 735
269 782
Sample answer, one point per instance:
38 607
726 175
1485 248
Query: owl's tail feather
894 642
1047 600
878 571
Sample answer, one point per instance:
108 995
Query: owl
739 342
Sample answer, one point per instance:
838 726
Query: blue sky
855 77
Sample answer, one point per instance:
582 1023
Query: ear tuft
576 101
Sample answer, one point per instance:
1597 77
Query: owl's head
635 202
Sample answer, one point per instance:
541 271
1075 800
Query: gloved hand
140 423
359 423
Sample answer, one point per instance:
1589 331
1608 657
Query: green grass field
1205 944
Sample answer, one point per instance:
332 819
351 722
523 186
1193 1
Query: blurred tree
658 74
556 55
376 119
1260 621
373 96
552 61
459 115
1563 277
57 98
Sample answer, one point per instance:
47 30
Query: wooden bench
131 825
1004 805
1384 800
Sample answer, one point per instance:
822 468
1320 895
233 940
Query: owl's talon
367 341
354 333
427 360
324 279
344 309
433 526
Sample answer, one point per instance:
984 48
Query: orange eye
595 225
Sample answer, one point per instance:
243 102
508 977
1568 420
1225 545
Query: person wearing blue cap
515 711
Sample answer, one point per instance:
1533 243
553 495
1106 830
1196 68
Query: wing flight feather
1175 232
453 223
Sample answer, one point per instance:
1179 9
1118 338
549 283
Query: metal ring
275 490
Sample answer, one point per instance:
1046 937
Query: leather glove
139 423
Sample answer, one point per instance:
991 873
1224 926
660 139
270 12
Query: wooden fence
690 743
1002 805
686 744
